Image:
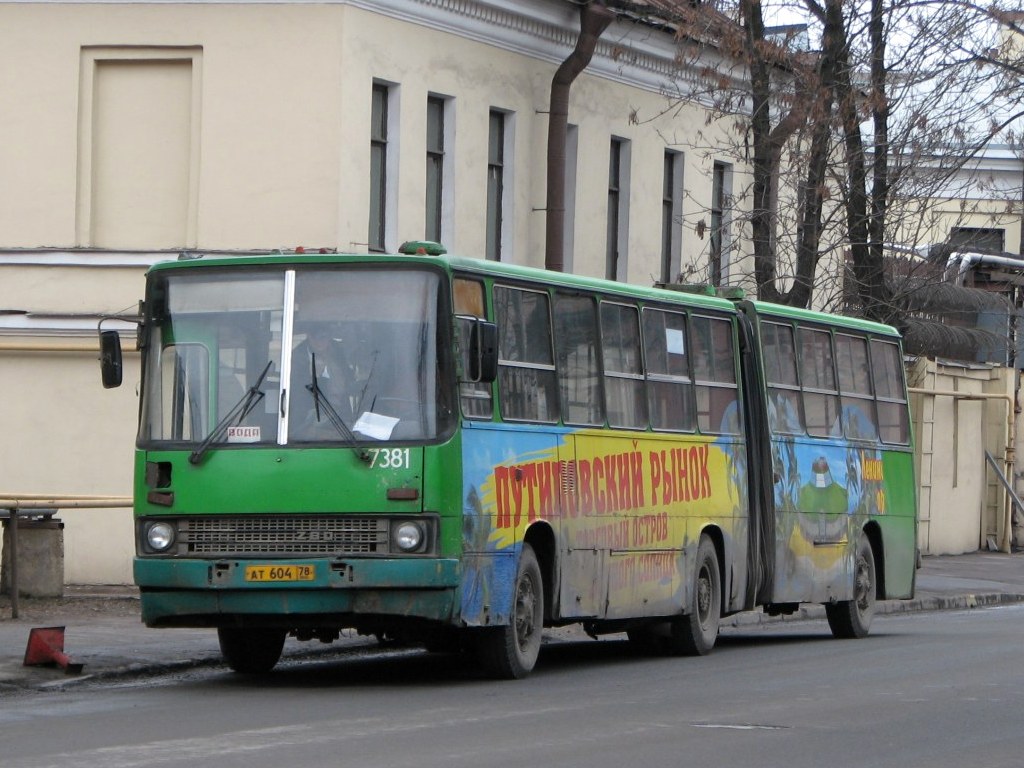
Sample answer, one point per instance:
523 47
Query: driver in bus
320 356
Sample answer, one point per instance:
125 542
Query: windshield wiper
240 410
332 415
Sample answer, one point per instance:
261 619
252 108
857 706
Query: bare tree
878 124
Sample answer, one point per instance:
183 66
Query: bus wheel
695 633
852 618
510 652
251 651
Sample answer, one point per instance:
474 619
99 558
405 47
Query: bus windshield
314 355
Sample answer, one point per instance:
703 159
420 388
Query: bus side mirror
110 359
483 351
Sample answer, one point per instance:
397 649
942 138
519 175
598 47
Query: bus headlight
159 536
408 536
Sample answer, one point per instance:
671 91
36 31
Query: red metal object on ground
46 646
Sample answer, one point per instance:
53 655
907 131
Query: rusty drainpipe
594 19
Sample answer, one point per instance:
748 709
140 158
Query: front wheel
251 651
695 633
852 618
510 652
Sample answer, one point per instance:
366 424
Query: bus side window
623 371
669 388
475 396
855 388
818 376
779 354
887 368
714 375
576 353
527 389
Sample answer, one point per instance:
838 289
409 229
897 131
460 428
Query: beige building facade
978 203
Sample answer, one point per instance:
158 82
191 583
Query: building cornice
633 54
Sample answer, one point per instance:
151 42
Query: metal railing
15 506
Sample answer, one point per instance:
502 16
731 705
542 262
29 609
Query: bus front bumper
214 592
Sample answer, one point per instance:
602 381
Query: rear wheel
510 652
251 651
852 618
695 633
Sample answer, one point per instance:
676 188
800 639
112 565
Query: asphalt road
935 689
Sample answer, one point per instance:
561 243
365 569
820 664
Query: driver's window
477 402
185 397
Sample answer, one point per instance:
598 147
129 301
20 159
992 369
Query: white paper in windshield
375 425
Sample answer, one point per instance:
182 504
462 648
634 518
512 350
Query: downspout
594 19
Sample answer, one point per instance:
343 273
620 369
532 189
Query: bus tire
695 633
251 651
510 652
852 618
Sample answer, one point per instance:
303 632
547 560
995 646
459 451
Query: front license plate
279 573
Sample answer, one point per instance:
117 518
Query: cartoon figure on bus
822 494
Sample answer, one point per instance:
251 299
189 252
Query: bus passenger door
583 582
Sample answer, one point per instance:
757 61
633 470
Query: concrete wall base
40 558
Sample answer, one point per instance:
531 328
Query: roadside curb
885 607
138 670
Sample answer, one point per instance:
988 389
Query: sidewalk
103 631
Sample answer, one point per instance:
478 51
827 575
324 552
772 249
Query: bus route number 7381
389 458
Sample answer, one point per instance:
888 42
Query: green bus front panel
190 587
277 481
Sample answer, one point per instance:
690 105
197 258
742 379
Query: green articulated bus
458 453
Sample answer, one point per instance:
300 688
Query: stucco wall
962 505
66 436
282 128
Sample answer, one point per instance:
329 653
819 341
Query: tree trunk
594 19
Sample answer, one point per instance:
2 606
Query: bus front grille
268 536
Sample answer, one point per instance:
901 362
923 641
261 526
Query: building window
719 223
618 207
981 238
378 166
495 183
671 215
435 167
